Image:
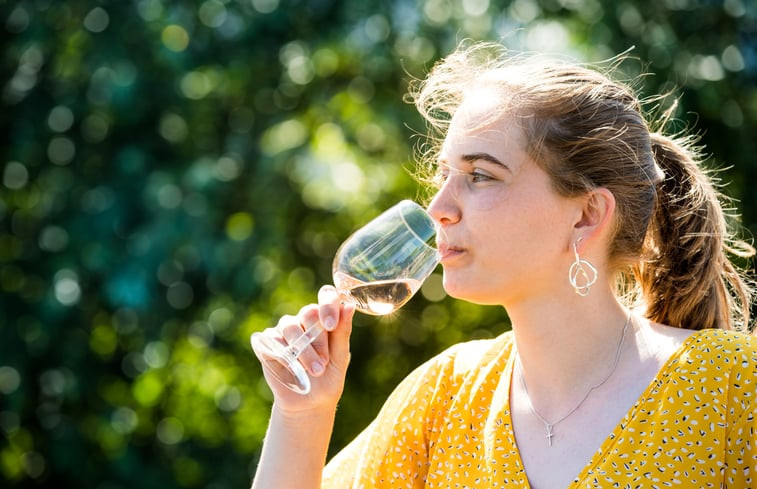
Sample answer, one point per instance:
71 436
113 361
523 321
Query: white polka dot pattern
448 425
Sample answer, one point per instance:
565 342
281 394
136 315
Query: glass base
280 361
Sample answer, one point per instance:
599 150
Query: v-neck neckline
501 397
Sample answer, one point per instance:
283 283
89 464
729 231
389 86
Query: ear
596 217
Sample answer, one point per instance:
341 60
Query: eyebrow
471 157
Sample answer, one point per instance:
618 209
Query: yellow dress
448 425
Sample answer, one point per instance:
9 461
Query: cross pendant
549 433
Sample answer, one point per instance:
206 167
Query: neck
566 346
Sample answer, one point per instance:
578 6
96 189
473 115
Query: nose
444 207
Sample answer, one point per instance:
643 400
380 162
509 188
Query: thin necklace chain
550 426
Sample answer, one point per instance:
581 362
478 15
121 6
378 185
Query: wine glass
378 269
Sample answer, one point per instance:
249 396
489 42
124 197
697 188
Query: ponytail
687 278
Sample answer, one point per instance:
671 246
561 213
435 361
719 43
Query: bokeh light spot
437 11
265 6
66 288
524 11
212 13
348 176
175 38
169 196
170 431
228 398
53 382
150 9
547 36
371 137
18 20
96 20
170 271
195 85
34 464
732 114
180 295
734 8
156 354
95 127
9 379
173 128
227 168
732 59
377 28
103 340
220 319
475 7
188 471
239 226
53 238
60 119
419 49
706 68
15 175
283 136
433 288
147 389
325 62
61 150
124 420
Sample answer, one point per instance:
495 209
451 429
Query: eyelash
475 176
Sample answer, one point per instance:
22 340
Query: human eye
479 176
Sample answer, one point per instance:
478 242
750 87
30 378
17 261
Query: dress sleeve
741 442
741 452
392 452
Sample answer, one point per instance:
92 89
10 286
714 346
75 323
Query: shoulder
723 351
459 371
464 358
719 346
723 363
461 362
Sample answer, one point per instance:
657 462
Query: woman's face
505 233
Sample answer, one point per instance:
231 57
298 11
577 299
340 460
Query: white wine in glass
379 297
378 269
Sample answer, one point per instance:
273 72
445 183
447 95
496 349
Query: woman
606 244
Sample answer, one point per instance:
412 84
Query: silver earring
582 274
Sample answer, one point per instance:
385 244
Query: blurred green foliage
178 174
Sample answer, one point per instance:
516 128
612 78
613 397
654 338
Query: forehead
483 118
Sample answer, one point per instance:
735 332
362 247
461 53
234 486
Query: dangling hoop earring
582 274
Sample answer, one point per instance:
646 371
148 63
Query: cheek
525 229
494 201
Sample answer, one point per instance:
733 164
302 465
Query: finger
328 306
265 345
328 314
271 337
292 330
339 339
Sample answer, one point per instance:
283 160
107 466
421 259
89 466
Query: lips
448 252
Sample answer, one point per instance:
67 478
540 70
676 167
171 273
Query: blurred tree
177 174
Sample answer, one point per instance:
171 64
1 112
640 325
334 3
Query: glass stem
298 346
311 332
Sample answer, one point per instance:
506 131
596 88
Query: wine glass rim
410 228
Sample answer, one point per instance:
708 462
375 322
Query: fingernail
329 323
316 368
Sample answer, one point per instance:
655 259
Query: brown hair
671 236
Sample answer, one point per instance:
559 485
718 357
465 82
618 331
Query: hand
325 359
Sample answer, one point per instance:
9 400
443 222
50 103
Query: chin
468 292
